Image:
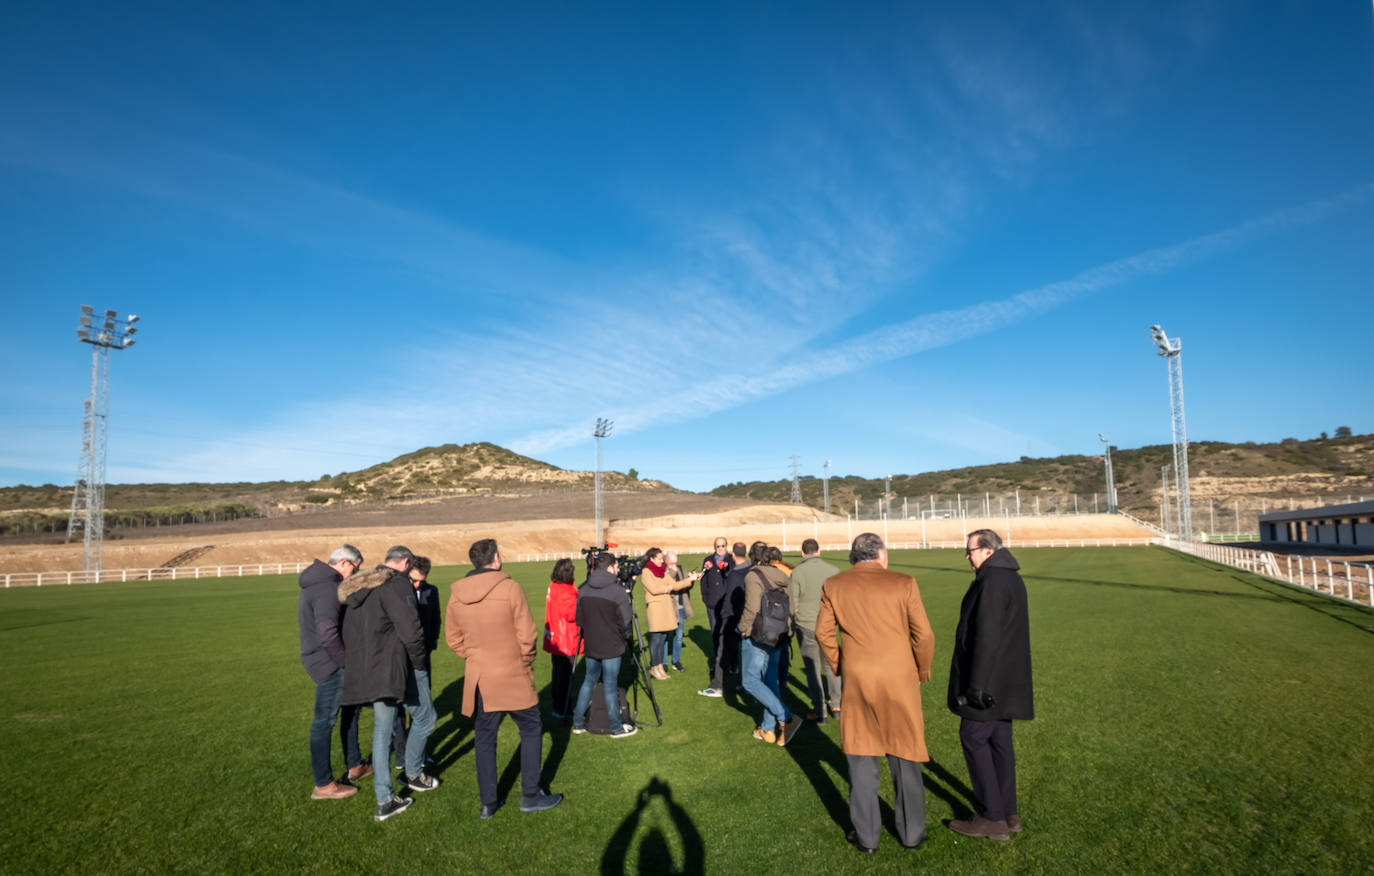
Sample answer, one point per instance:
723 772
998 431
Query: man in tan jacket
490 626
888 649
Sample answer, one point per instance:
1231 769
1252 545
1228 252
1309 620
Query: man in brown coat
490 626
888 649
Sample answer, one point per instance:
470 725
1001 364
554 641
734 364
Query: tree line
34 522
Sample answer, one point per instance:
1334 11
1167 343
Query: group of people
862 632
366 639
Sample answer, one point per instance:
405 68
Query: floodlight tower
1111 482
1172 350
1164 497
796 482
88 494
887 496
825 488
603 429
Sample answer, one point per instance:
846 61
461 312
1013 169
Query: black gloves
979 699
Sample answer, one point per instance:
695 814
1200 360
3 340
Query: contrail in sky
941 329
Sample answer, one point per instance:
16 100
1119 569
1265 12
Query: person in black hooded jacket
322 654
990 682
388 664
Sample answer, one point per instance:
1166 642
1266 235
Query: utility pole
796 482
603 430
88 493
825 488
887 496
1172 350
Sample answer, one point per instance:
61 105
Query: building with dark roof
1349 525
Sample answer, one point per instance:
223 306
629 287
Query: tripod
644 678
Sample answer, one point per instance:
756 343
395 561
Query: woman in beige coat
659 607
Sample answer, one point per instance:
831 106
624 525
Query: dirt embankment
528 525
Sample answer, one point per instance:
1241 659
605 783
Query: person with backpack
764 626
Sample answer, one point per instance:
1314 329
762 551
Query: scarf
657 568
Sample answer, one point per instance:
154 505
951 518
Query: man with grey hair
886 655
388 665
990 683
319 616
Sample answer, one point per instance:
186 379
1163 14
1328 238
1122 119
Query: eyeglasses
969 551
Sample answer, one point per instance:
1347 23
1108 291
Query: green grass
1190 718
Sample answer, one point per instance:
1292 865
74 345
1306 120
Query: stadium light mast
1111 482
825 488
1172 350
603 429
796 481
1164 497
103 333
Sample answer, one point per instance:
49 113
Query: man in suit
887 651
990 682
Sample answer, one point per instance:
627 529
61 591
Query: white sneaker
710 692
625 730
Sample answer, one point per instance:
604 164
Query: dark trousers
909 807
562 682
658 647
991 765
812 661
484 748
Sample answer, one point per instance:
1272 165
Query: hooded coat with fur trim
489 625
383 638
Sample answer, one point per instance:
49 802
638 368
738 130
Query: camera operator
604 616
660 609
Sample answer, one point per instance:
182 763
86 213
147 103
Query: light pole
1111 482
1172 350
88 494
603 429
825 487
1164 497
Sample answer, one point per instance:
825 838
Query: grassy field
1190 719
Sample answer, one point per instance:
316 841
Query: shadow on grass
943 784
653 853
812 751
446 743
1313 601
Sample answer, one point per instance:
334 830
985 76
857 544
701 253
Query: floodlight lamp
1101 437
87 309
131 331
85 321
83 335
133 318
128 342
111 314
109 325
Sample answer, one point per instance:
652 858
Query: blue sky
903 237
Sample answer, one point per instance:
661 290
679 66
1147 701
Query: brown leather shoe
765 735
360 772
980 827
332 791
1014 823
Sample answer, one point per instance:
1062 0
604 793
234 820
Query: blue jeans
327 696
677 637
608 671
421 708
658 646
759 674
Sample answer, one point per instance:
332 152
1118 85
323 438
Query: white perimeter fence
1352 582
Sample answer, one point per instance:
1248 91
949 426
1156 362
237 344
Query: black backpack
771 623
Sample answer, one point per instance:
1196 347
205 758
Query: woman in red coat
562 638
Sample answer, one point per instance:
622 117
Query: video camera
630 567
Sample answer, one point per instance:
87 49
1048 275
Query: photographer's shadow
653 853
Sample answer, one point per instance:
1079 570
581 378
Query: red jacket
561 635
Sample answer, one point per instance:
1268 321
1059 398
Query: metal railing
161 573
1341 579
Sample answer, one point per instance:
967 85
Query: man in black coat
990 683
714 570
319 615
604 616
387 665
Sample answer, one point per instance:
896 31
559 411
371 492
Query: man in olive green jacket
807 579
